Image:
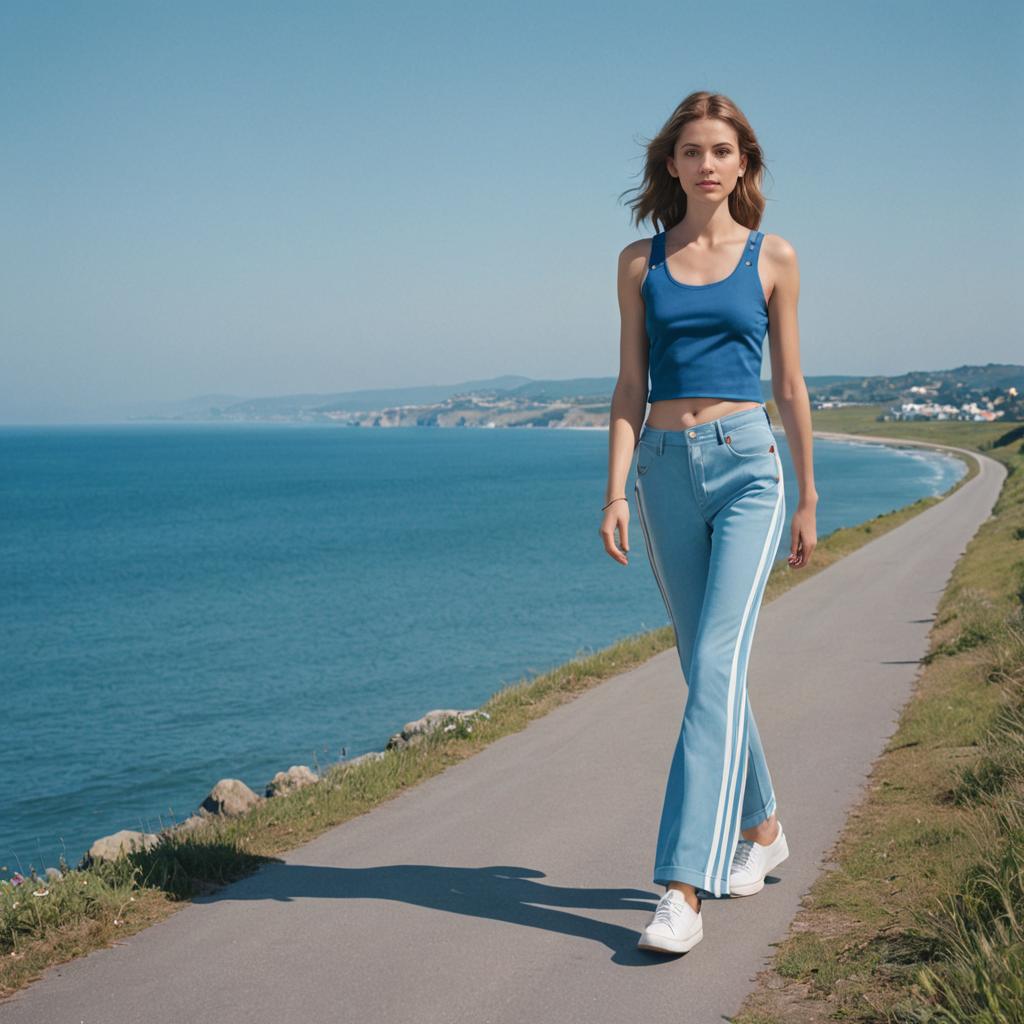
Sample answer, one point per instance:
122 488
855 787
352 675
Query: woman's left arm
789 390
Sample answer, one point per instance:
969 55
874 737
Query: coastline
285 823
249 797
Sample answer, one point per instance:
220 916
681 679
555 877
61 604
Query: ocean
182 603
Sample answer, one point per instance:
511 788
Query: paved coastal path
513 886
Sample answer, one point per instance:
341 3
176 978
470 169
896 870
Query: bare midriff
680 413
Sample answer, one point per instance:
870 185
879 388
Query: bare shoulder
636 252
779 252
633 265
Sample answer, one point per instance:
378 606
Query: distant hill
277 406
512 400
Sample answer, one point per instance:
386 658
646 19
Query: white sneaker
752 862
676 926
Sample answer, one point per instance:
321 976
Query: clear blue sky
266 198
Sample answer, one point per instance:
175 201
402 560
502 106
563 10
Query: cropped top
705 339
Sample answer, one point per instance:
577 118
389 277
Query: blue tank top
705 339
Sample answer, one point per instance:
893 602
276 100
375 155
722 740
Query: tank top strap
752 250
657 250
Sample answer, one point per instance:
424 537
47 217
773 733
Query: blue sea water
181 603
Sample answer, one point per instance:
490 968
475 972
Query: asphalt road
512 887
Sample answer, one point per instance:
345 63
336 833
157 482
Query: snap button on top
693 433
748 263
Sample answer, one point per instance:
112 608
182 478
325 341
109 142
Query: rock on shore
231 798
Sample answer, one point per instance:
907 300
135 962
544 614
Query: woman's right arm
629 399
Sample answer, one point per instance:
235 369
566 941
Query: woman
696 301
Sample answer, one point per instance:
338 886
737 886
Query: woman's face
707 150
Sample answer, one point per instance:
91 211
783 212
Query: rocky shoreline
232 798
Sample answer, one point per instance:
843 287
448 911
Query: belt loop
719 433
766 416
661 443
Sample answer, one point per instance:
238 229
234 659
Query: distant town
980 393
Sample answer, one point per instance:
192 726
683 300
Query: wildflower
17 878
41 892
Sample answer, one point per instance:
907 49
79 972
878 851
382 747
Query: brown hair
662 199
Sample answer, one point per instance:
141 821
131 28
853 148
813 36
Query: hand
803 538
616 517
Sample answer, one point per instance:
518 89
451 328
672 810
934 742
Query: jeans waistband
703 433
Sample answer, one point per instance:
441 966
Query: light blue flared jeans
712 509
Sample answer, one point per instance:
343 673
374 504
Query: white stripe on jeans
731 832
731 754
